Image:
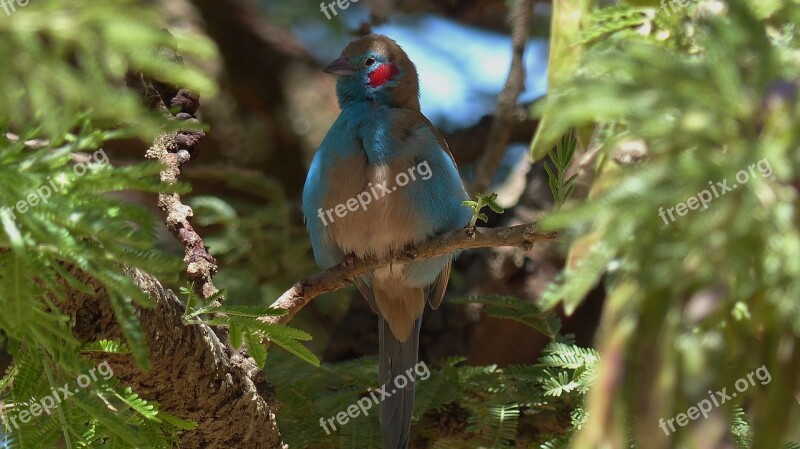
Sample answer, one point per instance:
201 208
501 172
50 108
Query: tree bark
193 376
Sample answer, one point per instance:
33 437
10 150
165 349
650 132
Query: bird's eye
369 62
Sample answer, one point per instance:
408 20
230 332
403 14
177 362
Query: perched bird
383 178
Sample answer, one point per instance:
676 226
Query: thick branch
508 112
193 374
341 275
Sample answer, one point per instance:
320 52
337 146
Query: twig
341 275
508 112
173 150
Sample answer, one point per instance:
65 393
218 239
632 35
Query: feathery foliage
695 238
560 186
487 403
63 216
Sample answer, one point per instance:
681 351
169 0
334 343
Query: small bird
383 178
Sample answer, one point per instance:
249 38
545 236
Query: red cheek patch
382 74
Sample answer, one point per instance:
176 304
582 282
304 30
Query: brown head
374 68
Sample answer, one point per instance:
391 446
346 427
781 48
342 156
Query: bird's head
374 68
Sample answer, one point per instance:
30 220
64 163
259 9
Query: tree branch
193 376
173 150
341 275
507 112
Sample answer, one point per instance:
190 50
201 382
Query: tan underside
400 305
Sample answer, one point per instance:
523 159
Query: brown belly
363 218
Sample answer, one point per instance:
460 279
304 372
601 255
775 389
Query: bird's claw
348 262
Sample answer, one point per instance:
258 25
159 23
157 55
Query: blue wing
325 252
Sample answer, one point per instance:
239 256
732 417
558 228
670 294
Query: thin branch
508 112
201 266
173 150
341 275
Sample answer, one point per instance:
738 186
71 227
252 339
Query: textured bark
193 376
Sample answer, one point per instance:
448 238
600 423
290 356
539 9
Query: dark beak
341 66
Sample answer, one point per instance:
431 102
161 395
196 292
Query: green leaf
108 346
286 337
496 207
11 229
176 422
248 311
108 418
128 322
255 348
236 336
568 17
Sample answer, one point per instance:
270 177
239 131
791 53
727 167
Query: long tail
397 359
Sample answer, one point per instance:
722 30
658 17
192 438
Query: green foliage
80 225
34 376
624 21
65 59
497 424
486 402
512 308
568 368
560 186
481 202
699 295
569 17
63 216
247 326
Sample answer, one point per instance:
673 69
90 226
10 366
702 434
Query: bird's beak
341 66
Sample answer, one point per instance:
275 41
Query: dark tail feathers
397 360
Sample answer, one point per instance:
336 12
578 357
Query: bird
383 178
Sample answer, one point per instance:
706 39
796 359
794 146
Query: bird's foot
410 251
348 261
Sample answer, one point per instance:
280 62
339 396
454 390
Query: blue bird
383 178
